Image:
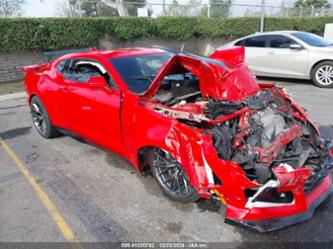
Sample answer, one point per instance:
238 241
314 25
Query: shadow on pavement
287 81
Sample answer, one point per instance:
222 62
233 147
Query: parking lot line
57 217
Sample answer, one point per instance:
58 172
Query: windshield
138 72
312 40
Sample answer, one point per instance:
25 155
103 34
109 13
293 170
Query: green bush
227 27
310 24
61 33
130 28
173 27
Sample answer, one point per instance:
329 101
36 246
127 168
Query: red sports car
202 126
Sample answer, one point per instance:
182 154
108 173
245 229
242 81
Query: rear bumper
301 210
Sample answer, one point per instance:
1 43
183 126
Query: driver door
94 110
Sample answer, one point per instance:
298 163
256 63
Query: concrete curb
12 96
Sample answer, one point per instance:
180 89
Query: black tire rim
38 117
170 174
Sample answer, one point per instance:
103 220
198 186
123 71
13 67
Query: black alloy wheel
171 177
41 119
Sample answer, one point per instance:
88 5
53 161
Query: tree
11 8
133 5
105 10
62 9
127 8
311 7
195 8
89 8
119 5
75 8
97 8
68 8
220 8
310 3
175 9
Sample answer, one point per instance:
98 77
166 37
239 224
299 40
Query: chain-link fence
157 8
235 10
207 8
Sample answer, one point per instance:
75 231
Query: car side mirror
97 81
295 47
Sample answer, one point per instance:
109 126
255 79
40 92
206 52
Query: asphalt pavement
101 198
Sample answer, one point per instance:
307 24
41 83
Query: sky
34 8
47 8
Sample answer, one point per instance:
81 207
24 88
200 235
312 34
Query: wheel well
313 66
30 98
143 159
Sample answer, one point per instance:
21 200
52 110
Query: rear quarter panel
46 85
30 84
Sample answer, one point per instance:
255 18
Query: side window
240 43
61 66
64 68
82 70
256 41
280 41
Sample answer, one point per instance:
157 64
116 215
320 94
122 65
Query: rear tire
171 177
41 119
322 74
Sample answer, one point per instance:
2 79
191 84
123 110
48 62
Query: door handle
271 52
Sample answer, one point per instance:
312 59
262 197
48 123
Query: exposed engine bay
251 145
260 133
177 88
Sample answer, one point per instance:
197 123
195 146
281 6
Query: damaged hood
223 76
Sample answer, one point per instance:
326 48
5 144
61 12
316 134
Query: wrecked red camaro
202 126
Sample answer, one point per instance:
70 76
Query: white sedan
289 54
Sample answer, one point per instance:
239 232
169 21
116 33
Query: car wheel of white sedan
322 74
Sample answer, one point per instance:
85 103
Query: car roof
280 32
130 52
115 53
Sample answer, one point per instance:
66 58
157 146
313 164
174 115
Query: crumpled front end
299 209
261 156
250 146
281 154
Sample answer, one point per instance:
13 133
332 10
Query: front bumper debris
311 202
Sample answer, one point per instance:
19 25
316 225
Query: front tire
322 74
171 177
41 119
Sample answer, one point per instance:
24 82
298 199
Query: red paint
302 204
234 82
124 122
